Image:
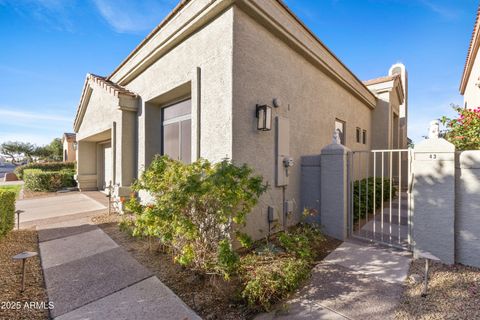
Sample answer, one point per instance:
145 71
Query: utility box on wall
284 161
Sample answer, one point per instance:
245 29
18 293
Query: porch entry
379 197
107 178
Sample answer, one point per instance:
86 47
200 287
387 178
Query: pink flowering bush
464 130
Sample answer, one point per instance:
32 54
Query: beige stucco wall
264 67
175 75
71 154
472 91
103 120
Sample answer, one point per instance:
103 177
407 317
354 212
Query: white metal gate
379 197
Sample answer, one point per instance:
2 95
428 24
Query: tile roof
380 79
110 85
471 48
69 136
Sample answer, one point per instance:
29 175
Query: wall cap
434 145
335 149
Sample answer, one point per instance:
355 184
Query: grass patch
15 188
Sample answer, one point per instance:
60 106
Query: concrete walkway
88 276
356 281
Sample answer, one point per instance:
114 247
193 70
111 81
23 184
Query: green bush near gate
195 214
48 181
196 209
45 166
7 211
363 200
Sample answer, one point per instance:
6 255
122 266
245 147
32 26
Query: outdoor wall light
264 117
75 145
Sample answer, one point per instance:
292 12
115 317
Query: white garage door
107 165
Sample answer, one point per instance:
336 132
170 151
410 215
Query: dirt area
210 296
32 302
453 293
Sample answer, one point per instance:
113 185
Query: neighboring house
69 142
470 82
2 161
196 85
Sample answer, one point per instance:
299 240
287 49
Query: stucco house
238 79
69 142
470 82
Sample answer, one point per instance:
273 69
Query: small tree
56 149
15 149
464 130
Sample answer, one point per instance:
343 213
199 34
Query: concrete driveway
62 206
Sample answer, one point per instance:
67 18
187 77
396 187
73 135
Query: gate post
433 195
334 190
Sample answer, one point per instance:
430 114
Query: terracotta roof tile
107 84
380 79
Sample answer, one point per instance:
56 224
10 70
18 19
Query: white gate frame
385 237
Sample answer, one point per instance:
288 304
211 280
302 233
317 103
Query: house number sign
434 156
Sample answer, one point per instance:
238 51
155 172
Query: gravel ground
209 296
453 293
14 304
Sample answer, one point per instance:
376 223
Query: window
359 134
364 136
340 128
176 131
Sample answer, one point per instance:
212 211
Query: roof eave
471 54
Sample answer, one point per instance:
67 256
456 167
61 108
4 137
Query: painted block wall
467 208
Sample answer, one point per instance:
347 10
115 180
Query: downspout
114 152
199 108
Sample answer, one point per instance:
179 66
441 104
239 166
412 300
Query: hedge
7 211
360 196
49 181
46 166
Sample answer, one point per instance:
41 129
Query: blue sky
47 47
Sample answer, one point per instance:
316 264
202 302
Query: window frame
178 119
358 135
364 136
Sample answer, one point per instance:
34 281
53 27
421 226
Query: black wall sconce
264 117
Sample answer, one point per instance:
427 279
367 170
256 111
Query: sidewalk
356 281
88 276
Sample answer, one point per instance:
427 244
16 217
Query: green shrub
49 181
270 278
7 211
195 209
301 241
464 130
46 166
360 195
